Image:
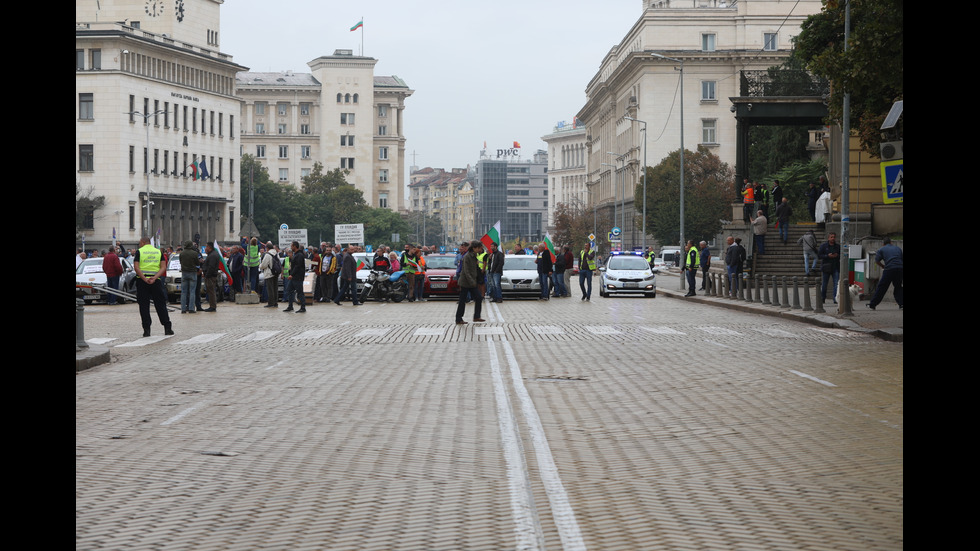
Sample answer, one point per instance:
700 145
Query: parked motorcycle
382 286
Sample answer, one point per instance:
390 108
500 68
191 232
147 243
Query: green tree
708 191
871 69
795 179
275 203
574 222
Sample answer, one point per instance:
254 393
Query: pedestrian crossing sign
892 181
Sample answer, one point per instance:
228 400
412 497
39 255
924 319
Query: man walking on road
586 264
468 280
297 272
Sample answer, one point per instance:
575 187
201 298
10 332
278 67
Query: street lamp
644 239
146 163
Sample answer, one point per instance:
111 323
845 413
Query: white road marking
601 329
373 332
144 341
429 332
663 330
719 331
527 526
561 509
258 336
181 415
488 330
203 338
774 332
547 329
313 334
812 378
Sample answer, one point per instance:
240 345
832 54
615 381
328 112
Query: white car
627 273
520 276
89 273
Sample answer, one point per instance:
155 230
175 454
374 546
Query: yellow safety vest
150 257
583 262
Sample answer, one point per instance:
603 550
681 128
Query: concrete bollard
796 293
80 324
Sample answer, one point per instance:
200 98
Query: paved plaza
617 424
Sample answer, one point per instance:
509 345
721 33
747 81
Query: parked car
89 273
520 276
627 272
440 275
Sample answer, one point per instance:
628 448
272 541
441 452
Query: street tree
574 221
872 67
86 203
708 191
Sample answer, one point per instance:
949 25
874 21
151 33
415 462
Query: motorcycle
382 286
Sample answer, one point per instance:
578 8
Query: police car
627 272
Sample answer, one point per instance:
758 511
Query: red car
440 275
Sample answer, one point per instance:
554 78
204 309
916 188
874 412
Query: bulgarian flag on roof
492 236
551 246
193 170
358 26
224 265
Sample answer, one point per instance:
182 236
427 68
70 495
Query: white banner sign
348 233
286 238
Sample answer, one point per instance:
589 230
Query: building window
304 172
283 151
346 98
260 151
79 60
304 129
132 159
86 158
383 175
260 108
194 118
708 90
347 163
708 42
260 128
383 200
340 98
132 216
283 174
132 108
383 153
282 128
282 109
382 110
347 140
305 151
304 109
347 119
770 42
355 98
382 130
708 127
86 107
96 58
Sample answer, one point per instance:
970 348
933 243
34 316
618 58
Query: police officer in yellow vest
252 259
692 261
150 267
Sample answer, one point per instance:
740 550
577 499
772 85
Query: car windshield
90 266
627 263
440 262
523 263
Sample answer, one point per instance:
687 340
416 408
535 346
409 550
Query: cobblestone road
617 424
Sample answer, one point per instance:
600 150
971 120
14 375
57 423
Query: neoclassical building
716 40
567 174
341 115
155 105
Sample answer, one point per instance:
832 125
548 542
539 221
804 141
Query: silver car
627 273
520 276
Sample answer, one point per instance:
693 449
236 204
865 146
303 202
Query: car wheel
650 295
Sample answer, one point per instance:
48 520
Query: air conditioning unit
891 151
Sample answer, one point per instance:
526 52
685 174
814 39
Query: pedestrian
468 284
829 254
732 265
586 265
559 275
692 262
809 243
112 267
348 277
297 272
545 269
495 271
777 193
252 259
759 227
271 268
783 212
329 268
150 268
705 260
891 260
189 264
212 263
812 193
412 268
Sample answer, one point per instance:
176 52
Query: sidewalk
886 322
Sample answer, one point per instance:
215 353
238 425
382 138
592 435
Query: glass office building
516 194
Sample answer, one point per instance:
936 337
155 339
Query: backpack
275 265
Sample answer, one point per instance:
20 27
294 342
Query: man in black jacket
545 269
297 272
495 270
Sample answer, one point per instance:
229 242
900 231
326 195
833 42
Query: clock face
154 7
179 10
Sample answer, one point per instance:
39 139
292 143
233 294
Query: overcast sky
499 72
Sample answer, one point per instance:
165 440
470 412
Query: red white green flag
358 26
492 236
224 265
551 246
